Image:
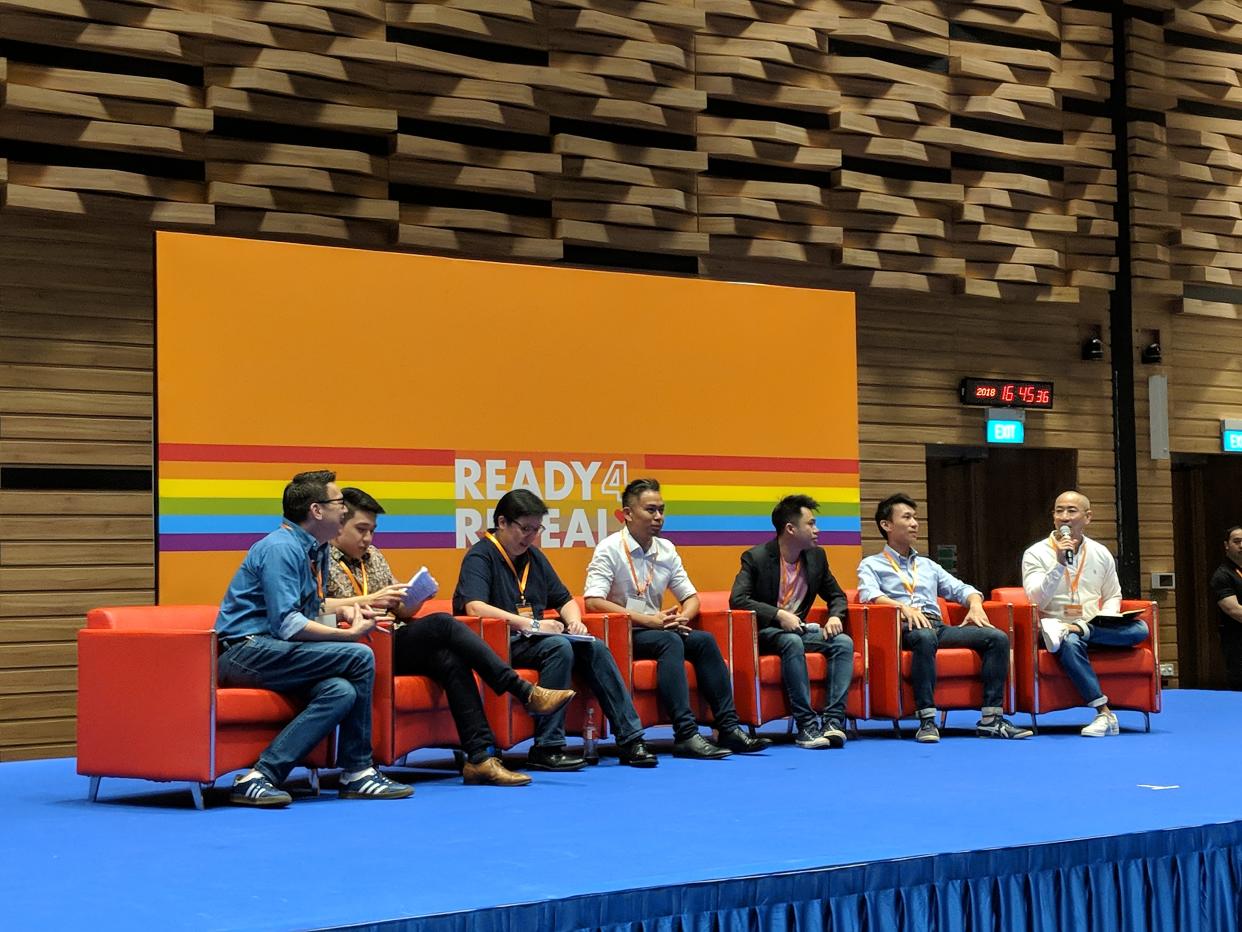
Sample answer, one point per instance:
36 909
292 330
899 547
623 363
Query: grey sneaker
374 785
258 791
1000 727
928 733
811 737
834 732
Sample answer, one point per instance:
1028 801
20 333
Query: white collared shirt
609 577
1047 580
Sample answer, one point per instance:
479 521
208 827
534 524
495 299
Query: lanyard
365 588
521 583
788 582
315 568
641 588
1082 564
912 581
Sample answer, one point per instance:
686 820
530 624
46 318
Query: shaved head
1077 497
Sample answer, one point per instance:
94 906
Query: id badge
635 604
327 618
524 609
1073 612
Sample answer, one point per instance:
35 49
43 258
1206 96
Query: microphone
1065 535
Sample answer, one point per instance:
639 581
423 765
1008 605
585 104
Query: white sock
250 776
351 777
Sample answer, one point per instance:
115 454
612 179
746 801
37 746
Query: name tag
1073 612
524 609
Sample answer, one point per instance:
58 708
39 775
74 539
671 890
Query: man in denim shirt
273 634
898 575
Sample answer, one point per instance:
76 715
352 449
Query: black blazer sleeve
747 585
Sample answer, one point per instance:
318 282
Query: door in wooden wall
1207 498
985 505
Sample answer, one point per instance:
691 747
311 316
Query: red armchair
509 718
959 683
149 707
758 691
410 712
1129 676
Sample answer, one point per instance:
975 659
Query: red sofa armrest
146 703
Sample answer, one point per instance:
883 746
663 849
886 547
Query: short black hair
304 490
789 509
1229 531
518 503
634 491
884 510
358 500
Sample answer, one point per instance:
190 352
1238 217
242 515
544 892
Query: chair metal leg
459 760
789 729
751 729
1034 724
92 794
312 775
197 792
944 717
897 727
1146 723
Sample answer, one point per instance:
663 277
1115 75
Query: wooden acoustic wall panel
894 197
49 106
319 80
75 396
472 156
1037 224
624 90
766 133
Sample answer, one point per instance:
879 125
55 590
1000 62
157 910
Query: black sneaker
999 727
928 733
258 791
811 737
374 785
834 732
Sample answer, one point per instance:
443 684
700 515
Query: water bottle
589 733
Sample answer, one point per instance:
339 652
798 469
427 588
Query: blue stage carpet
613 847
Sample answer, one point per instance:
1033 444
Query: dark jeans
444 649
335 678
670 651
792 647
991 645
1231 644
557 658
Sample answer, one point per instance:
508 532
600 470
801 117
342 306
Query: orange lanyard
1082 564
788 582
912 581
364 589
316 570
633 573
521 583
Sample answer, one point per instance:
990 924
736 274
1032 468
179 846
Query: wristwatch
534 624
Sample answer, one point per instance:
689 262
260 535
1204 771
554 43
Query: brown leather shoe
492 773
546 701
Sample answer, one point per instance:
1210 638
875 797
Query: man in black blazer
779 581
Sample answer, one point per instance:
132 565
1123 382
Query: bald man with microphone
1073 580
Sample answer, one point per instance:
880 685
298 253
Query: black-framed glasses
330 501
527 530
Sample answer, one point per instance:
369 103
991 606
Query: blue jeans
670 651
990 644
1077 665
335 679
557 658
792 647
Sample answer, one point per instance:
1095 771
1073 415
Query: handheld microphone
1065 535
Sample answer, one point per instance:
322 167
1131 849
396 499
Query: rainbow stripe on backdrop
225 497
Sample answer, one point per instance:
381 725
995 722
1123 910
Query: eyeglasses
331 501
527 530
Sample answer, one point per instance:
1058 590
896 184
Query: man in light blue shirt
273 633
898 575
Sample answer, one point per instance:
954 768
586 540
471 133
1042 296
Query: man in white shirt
1073 579
628 575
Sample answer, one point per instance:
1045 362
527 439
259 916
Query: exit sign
1009 432
1231 435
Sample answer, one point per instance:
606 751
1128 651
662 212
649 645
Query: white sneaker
1053 633
1105 723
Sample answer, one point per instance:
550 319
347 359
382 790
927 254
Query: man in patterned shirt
436 645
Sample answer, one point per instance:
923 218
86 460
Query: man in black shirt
506 576
1226 586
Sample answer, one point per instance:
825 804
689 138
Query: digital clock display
1005 393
